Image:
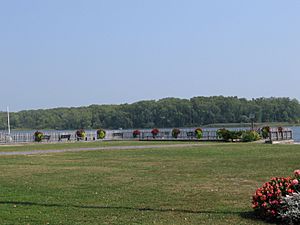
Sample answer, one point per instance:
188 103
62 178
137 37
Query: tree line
167 112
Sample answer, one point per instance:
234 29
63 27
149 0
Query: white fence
91 135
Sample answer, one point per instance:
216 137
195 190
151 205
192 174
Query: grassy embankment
209 184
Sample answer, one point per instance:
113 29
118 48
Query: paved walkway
39 152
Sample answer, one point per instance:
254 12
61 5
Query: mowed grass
79 144
210 184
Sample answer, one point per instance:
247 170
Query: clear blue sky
70 53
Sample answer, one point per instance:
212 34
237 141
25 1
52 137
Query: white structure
8 138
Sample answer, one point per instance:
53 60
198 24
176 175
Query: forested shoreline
167 112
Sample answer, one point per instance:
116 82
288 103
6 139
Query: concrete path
39 152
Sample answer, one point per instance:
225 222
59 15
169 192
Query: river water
296 133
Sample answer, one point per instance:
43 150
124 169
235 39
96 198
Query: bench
64 136
190 134
118 135
46 137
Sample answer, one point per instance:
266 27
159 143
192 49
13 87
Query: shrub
198 133
154 132
136 133
228 135
290 209
250 135
266 200
38 136
236 134
101 134
175 132
80 134
272 201
296 181
223 134
265 132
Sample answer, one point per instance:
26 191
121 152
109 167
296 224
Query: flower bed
229 135
80 134
271 201
198 133
38 136
250 135
238 135
265 132
101 134
136 133
154 132
175 132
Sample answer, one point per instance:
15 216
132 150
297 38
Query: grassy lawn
72 145
210 184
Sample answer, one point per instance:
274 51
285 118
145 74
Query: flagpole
8 122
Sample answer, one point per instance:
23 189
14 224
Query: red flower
155 132
136 133
266 199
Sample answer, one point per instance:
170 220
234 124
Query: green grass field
210 184
81 144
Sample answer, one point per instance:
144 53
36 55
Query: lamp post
163 121
252 117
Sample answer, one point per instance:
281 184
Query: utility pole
252 117
8 122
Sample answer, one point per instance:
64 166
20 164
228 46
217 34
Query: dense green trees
167 112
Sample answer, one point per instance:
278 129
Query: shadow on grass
119 208
250 215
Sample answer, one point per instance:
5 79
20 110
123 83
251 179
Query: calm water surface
296 133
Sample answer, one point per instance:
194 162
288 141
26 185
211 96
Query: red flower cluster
155 132
267 198
136 133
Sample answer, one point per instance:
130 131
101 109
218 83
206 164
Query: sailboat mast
8 122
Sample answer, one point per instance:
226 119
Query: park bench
64 136
46 137
190 134
118 135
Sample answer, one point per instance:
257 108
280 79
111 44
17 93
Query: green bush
175 132
223 134
80 134
229 135
101 134
198 133
265 132
38 136
250 135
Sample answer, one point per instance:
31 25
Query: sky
63 53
